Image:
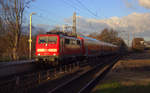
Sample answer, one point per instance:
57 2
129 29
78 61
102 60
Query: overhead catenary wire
47 12
40 17
91 12
73 5
53 26
70 5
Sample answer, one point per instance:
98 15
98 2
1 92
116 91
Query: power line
47 19
79 6
70 5
40 15
86 8
45 11
75 3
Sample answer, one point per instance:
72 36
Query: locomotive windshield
42 40
48 39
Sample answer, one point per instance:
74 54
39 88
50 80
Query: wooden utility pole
74 23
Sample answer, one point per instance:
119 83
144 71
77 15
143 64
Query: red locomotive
57 48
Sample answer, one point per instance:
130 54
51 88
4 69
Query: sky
131 16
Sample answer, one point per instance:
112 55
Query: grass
4 59
107 87
115 87
7 59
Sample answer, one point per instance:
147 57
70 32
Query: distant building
138 44
147 44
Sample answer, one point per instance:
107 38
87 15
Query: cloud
137 23
129 4
144 3
87 26
46 27
132 3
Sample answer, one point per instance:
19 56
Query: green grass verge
7 59
115 87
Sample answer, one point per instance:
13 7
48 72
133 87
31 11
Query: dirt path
130 75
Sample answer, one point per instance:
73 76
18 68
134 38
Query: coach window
78 42
73 42
67 41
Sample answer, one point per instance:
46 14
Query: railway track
90 85
85 82
52 86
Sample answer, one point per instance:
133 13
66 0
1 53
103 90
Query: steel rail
89 86
64 88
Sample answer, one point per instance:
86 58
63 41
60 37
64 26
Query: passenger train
58 48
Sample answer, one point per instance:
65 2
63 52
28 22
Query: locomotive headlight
54 54
52 50
38 54
41 50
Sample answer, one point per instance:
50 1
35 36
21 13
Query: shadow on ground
132 56
133 69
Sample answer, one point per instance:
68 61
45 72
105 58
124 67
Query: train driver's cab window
42 40
47 39
52 40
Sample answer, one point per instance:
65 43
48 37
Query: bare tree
94 35
2 26
108 35
12 14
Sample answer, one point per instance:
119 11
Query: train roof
70 34
47 35
83 36
97 41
